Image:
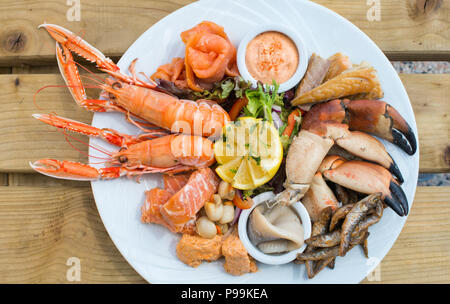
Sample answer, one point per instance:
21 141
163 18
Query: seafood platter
232 149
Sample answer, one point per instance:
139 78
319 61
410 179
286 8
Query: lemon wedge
249 153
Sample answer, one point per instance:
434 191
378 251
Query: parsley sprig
261 100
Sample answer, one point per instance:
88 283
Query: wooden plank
35 69
421 254
21 41
36 179
429 95
42 229
25 138
23 134
407 29
3 179
5 70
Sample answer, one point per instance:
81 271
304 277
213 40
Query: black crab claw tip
396 171
392 202
401 197
406 141
397 199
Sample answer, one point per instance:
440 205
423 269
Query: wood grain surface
45 221
25 138
407 29
42 227
421 254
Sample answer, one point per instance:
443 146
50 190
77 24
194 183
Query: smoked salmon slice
174 183
184 205
173 72
151 211
154 199
209 55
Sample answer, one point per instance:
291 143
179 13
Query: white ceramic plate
149 248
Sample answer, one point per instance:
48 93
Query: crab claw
397 195
381 119
364 146
77 45
319 197
369 178
370 116
73 170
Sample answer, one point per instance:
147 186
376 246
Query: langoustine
130 95
138 155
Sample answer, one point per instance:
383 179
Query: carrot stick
241 204
219 231
237 107
291 122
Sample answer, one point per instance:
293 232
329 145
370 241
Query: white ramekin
272 259
295 37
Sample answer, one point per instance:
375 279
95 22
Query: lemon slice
249 153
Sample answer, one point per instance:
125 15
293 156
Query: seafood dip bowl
290 34
255 252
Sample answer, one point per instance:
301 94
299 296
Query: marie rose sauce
272 56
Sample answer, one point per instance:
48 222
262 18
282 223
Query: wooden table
45 221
